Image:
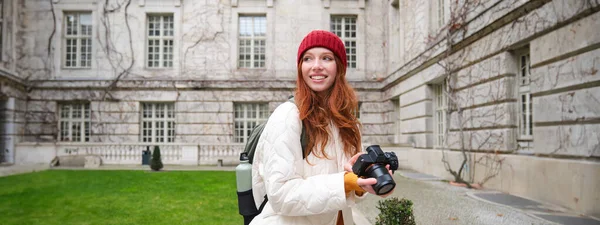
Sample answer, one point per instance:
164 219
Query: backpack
246 205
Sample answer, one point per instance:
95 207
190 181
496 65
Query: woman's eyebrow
325 53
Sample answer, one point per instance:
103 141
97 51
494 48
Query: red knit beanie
325 39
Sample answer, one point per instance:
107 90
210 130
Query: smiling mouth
318 77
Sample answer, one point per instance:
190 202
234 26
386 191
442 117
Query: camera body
372 165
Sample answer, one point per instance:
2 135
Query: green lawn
119 197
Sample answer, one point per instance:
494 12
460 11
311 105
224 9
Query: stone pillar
7 130
189 155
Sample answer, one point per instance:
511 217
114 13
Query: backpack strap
303 137
262 205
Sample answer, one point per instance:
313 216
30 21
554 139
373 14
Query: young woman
319 187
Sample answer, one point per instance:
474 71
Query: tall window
345 28
74 122
158 122
78 40
525 110
440 102
246 117
437 14
160 41
252 41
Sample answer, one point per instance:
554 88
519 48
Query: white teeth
318 77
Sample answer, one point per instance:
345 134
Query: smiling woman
319 69
319 187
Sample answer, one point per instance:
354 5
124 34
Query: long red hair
338 107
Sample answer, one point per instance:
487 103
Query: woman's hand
350 163
366 183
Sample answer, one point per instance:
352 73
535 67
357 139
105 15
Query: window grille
158 122
246 117
78 40
525 103
74 122
160 41
441 108
252 40
345 28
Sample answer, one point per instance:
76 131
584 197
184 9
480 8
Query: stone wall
12 87
563 45
12 115
566 91
205 56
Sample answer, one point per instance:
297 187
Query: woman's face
319 69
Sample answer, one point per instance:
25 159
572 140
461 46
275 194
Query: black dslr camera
373 164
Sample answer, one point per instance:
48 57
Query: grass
90 197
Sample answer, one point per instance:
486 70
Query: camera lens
386 188
385 182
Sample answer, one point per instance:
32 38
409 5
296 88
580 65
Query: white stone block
369 96
116 117
375 129
484 140
122 106
245 96
425 76
189 155
42 106
567 106
92 161
578 69
501 64
495 10
574 36
372 118
375 139
376 107
422 124
422 140
569 140
116 129
204 107
201 117
30 153
418 94
416 110
117 138
497 90
493 116
40 128
206 138
212 129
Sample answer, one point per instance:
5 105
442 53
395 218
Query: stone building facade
512 83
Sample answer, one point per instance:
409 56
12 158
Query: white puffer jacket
298 192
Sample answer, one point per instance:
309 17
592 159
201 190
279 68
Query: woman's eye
327 58
305 59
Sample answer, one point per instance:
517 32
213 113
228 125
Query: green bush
395 212
156 163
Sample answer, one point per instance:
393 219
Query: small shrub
156 163
395 211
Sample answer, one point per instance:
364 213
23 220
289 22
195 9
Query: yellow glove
351 184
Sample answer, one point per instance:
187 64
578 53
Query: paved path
437 202
7 170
